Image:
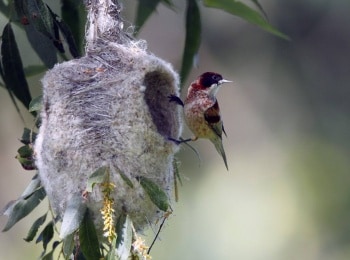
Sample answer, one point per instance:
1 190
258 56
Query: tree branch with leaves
102 153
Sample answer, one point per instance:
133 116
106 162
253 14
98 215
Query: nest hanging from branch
108 109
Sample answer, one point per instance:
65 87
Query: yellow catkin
107 211
140 248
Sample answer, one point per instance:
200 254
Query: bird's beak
224 81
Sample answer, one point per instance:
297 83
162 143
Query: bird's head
209 82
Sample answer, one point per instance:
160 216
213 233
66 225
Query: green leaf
22 207
176 178
68 245
46 235
145 8
35 227
73 215
33 70
89 244
111 253
98 177
28 136
67 34
1 73
35 104
126 179
14 77
192 40
49 256
176 171
39 15
155 193
124 236
239 9
42 45
73 13
27 163
39 32
25 151
4 8
25 157
33 186
260 7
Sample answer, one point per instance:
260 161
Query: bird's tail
220 148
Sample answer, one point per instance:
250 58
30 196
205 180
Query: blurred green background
287 116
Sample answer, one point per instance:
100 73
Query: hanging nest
108 110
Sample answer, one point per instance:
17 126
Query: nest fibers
108 108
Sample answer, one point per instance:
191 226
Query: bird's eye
216 78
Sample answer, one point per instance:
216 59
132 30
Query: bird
202 112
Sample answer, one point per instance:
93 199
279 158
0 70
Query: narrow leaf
33 70
126 179
97 177
42 45
35 227
14 77
28 136
46 235
239 9
192 40
68 245
261 9
39 15
39 30
23 207
67 34
111 254
156 194
49 256
35 104
56 39
33 186
4 8
176 177
176 171
124 236
74 15
27 163
1 73
73 215
25 157
25 151
144 9
89 244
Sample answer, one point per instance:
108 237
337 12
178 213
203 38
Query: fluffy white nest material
108 108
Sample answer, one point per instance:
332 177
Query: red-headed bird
202 112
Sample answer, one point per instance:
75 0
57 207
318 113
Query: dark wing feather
213 118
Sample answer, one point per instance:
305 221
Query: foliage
50 36
193 23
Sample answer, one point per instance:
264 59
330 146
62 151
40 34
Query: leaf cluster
77 220
193 23
48 35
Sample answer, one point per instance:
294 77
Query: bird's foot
181 140
176 99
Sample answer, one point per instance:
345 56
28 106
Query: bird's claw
174 140
176 99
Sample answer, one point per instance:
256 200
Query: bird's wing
213 118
